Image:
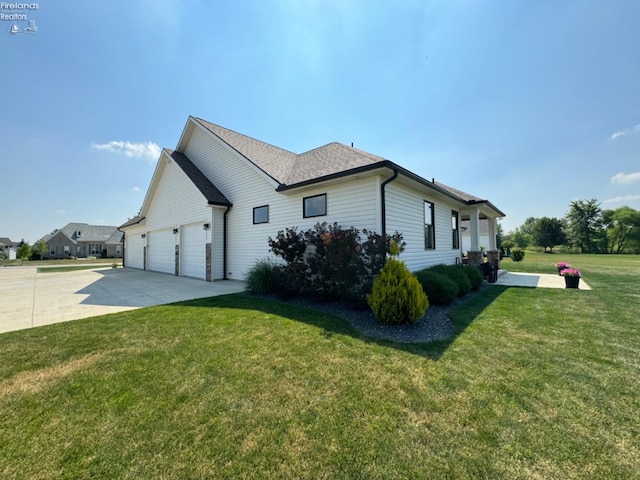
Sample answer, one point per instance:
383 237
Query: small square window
315 206
261 214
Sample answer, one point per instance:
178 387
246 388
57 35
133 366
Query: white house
214 201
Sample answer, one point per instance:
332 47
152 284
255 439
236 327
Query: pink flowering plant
570 272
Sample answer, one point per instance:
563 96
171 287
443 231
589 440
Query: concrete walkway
30 299
542 280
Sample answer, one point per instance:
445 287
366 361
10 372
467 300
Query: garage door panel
193 251
133 252
161 251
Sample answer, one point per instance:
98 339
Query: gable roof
333 160
6 241
83 232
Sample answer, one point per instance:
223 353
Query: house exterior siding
405 213
350 203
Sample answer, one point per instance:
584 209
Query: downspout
224 244
383 201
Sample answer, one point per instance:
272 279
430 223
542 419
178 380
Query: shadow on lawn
461 316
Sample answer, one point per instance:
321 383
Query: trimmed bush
459 277
440 289
473 274
264 277
517 255
397 296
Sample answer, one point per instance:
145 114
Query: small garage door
133 251
161 251
193 251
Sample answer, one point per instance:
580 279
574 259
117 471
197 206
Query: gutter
383 202
224 244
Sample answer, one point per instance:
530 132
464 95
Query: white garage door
161 251
133 251
193 251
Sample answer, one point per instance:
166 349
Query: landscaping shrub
473 274
517 255
264 278
458 276
397 296
440 289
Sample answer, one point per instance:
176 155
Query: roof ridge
202 120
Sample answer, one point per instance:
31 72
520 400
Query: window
455 235
315 206
261 214
118 250
66 250
429 226
52 250
94 249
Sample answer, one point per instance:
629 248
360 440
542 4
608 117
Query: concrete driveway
30 299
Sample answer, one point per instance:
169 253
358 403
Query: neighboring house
82 240
8 248
214 201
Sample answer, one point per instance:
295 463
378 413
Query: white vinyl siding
193 251
405 213
161 251
352 203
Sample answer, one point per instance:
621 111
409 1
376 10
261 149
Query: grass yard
71 268
535 383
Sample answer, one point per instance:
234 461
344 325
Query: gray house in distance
82 240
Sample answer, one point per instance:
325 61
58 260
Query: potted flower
561 266
571 277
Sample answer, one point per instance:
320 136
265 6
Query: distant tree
621 224
39 248
527 227
584 224
517 238
24 250
549 232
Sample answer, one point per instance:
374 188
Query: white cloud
135 189
626 198
148 150
625 177
622 133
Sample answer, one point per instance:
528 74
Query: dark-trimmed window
315 206
261 214
455 230
429 226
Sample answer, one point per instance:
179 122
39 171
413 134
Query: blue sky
528 104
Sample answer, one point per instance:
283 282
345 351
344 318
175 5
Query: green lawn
72 268
61 262
535 383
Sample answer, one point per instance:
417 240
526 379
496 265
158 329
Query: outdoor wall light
143 235
175 231
205 226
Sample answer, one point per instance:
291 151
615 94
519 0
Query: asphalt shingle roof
83 232
288 168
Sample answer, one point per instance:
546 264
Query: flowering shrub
562 265
570 272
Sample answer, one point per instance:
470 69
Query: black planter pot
571 282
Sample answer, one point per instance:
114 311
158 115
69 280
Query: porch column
493 245
475 255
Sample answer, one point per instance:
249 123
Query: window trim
455 232
254 214
92 250
432 225
304 206
52 250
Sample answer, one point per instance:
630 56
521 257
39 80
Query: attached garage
133 251
161 251
193 259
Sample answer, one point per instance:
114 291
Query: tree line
585 227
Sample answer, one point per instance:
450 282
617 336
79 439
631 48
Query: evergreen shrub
440 289
473 274
397 296
517 254
458 276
